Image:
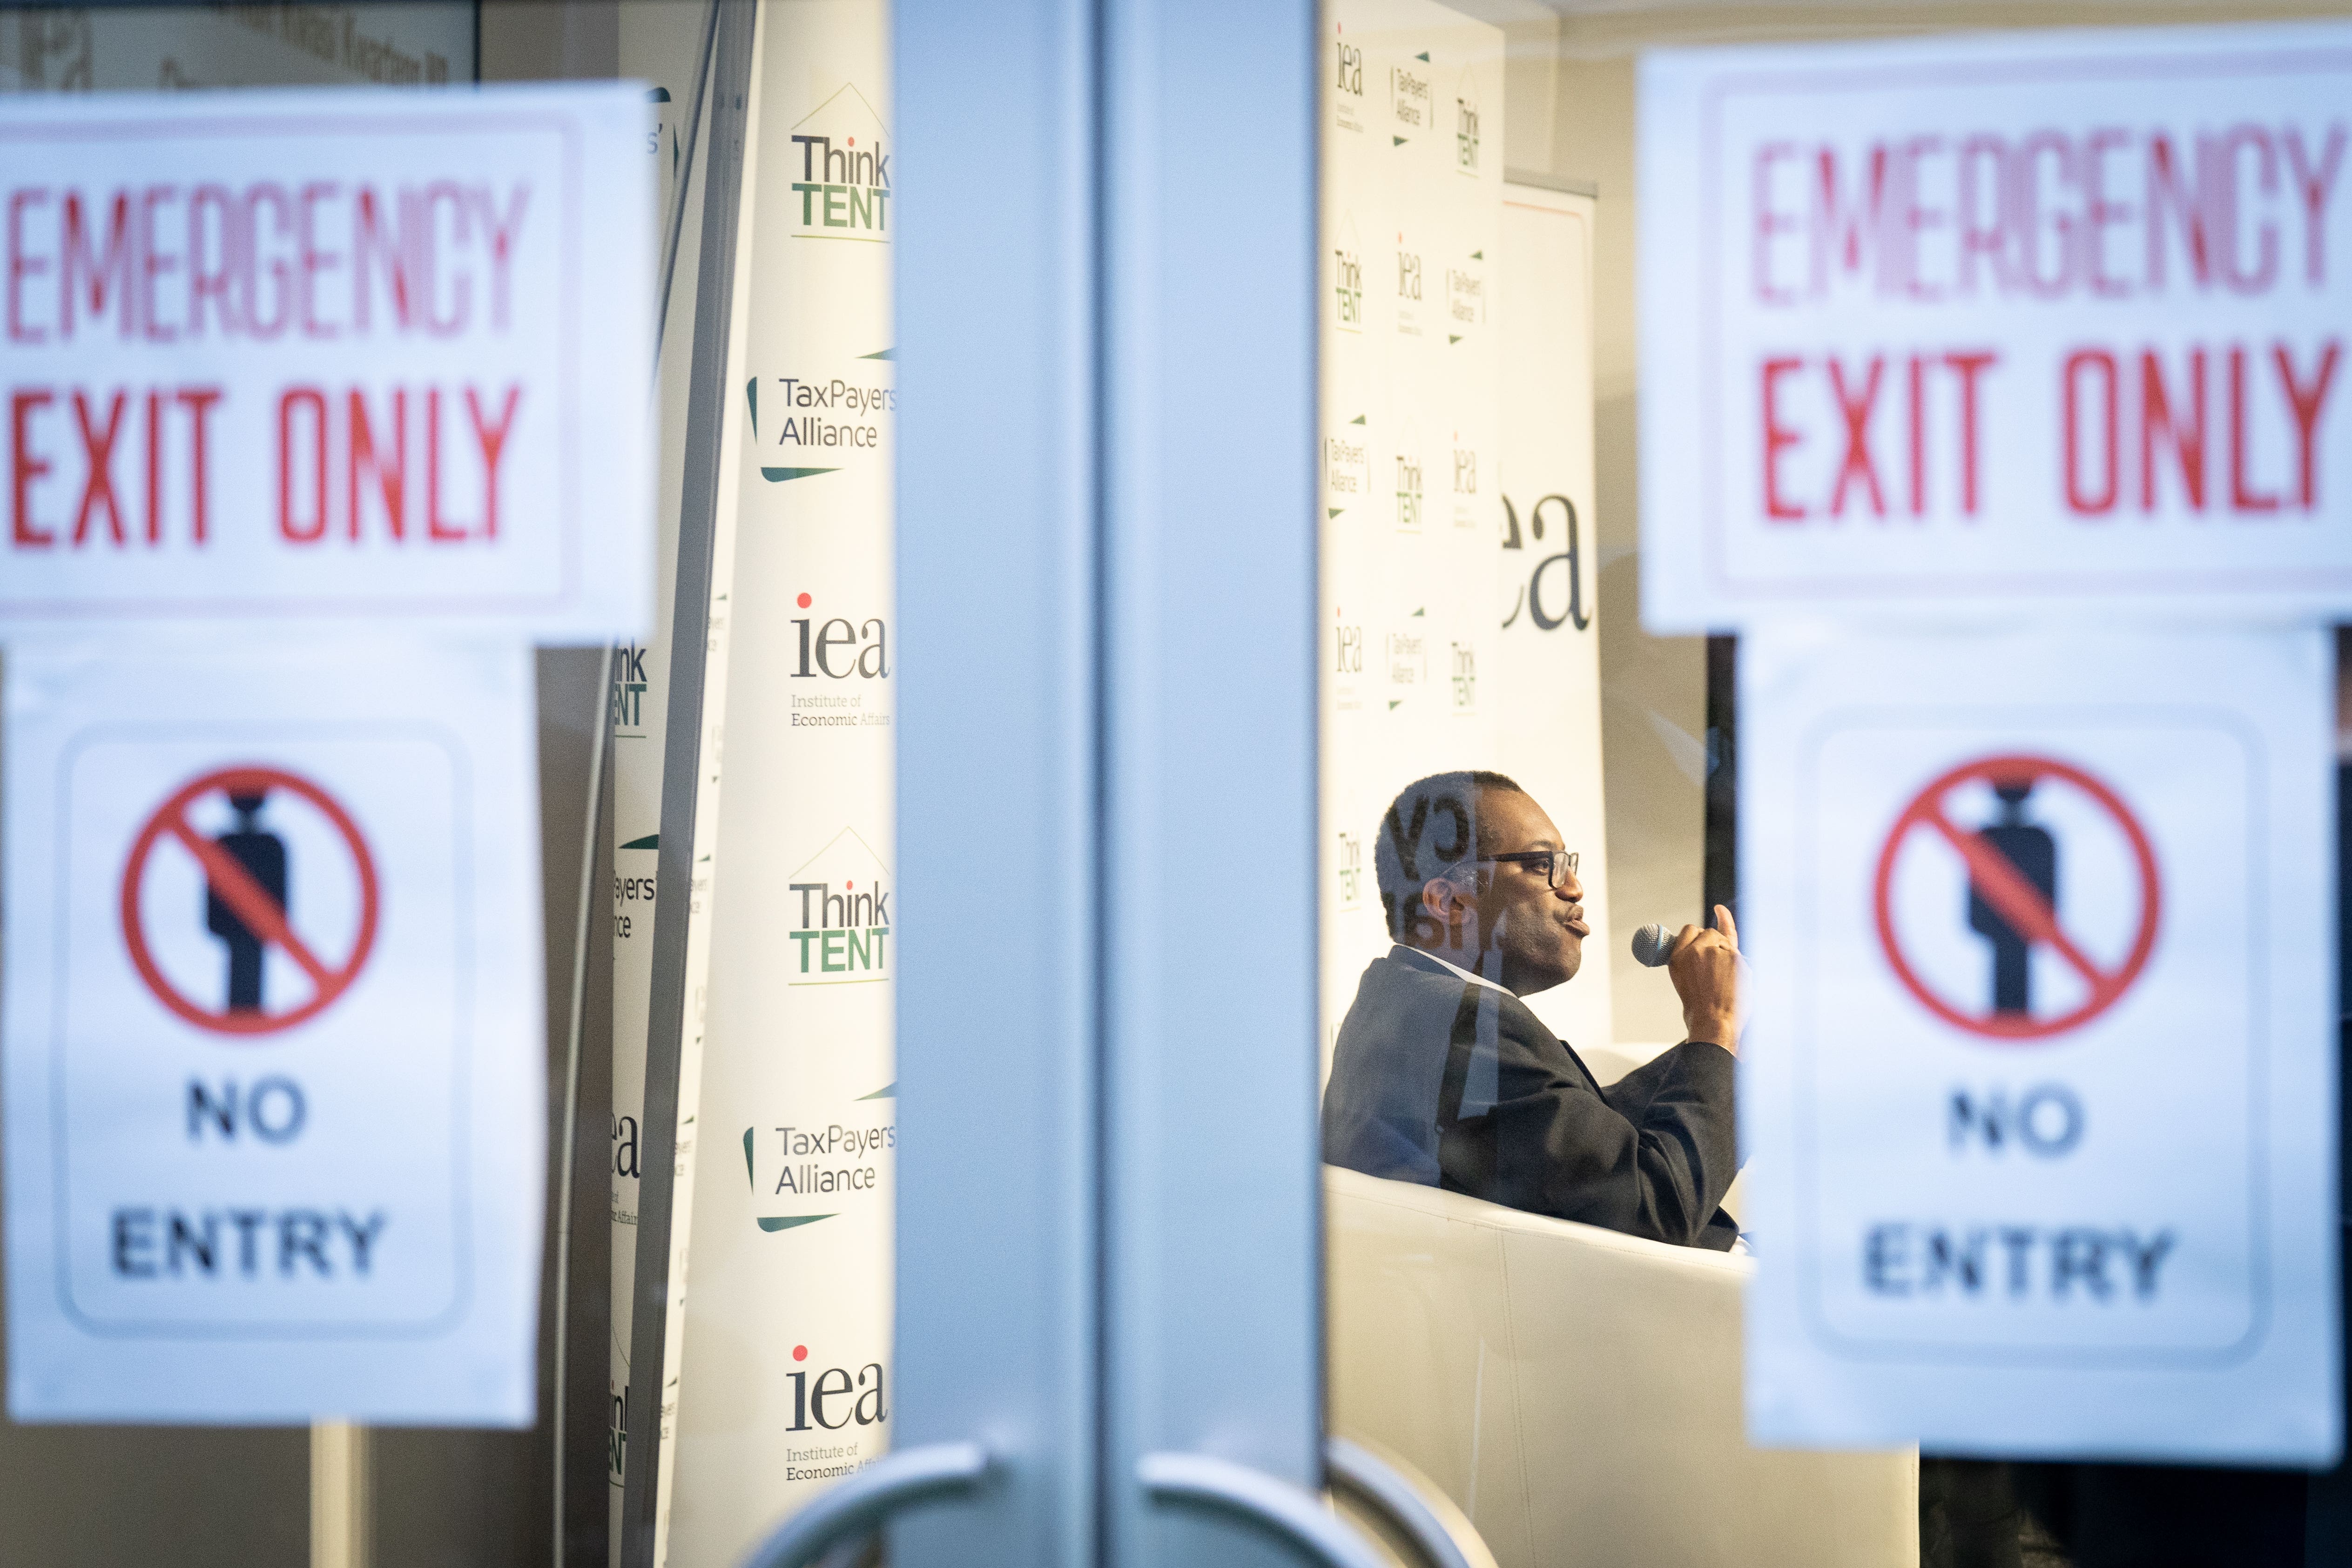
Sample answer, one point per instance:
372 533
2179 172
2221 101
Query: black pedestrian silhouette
2034 853
263 855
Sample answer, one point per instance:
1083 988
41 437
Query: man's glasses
1558 865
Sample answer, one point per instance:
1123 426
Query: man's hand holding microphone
1709 975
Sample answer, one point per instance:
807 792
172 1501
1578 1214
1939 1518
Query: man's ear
1446 901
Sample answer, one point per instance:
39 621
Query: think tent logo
843 184
1466 126
1348 869
1408 464
1348 277
841 908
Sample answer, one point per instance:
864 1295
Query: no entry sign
2040 1089
2011 867
272 1036
244 901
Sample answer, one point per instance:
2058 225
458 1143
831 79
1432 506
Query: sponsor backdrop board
1413 199
1445 437
1970 325
2040 1086
324 359
273 1035
665 49
785 1367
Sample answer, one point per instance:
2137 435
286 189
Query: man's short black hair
1432 826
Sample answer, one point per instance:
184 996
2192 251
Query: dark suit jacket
1436 1081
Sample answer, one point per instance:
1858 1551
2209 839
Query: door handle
1403 1497
862 1500
1288 1513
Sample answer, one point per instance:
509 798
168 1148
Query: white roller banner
2040 1092
1969 326
784 1367
1411 449
326 358
663 47
274 1050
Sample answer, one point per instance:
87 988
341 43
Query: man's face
1537 930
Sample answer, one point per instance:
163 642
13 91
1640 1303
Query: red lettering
210 283
1856 415
501 232
493 439
151 263
24 468
95 272
2100 213
1969 366
2306 402
461 291
1977 239
2165 193
2241 497
22 267
1844 230
1769 224
198 402
248 262
2025 214
154 468
316 401
2083 501
314 260
369 244
1778 438
98 483
2186 439
1918 391
390 485
2223 172
1915 217
2314 184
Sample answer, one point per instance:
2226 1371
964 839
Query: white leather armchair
1577 1393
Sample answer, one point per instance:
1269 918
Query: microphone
1653 945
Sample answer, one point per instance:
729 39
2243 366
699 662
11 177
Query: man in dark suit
1441 1075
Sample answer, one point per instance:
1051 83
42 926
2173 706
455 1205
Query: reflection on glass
1442 1076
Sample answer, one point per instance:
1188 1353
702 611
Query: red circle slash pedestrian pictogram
2010 902
241 907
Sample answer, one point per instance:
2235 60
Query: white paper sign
272 1036
1972 325
2040 1092
328 357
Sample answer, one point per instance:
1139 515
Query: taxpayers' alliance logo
843 182
1405 654
840 902
1347 467
821 424
1409 100
830 1161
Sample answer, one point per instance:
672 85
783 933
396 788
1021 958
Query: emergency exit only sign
2022 323
2040 1092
